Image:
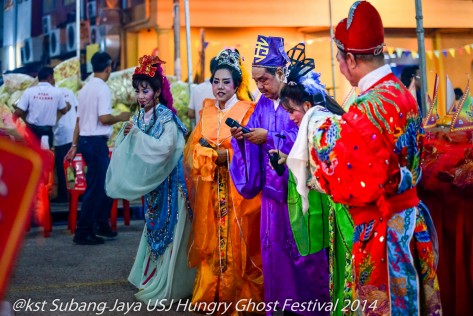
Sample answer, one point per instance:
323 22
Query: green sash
340 256
324 221
311 231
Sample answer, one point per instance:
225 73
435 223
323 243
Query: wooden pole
177 40
202 55
188 43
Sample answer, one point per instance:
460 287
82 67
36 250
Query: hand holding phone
274 160
232 123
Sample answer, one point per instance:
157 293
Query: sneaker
89 240
109 233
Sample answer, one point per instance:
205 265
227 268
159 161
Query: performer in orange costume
225 244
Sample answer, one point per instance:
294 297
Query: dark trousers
59 154
96 205
40 131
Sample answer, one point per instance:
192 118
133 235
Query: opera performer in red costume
369 160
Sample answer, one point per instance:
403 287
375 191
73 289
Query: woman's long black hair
296 92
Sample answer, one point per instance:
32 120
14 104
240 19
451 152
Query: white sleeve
105 102
140 162
61 102
24 101
71 98
78 103
191 105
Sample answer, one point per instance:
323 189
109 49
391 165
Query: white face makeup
222 86
145 96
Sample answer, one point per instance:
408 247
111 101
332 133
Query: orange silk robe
225 243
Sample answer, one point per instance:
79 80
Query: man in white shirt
38 105
199 93
94 126
63 134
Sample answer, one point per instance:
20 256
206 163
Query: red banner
20 172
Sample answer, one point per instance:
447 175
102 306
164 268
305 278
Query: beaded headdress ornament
229 57
148 65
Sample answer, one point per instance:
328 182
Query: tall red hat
362 32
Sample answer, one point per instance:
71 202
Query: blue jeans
96 205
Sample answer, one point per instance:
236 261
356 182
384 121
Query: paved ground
53 276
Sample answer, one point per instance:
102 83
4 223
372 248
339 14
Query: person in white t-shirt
39 105
199 93
63 133
94 126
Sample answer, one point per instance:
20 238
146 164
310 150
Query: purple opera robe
288 276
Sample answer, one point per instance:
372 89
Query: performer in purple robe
289 278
